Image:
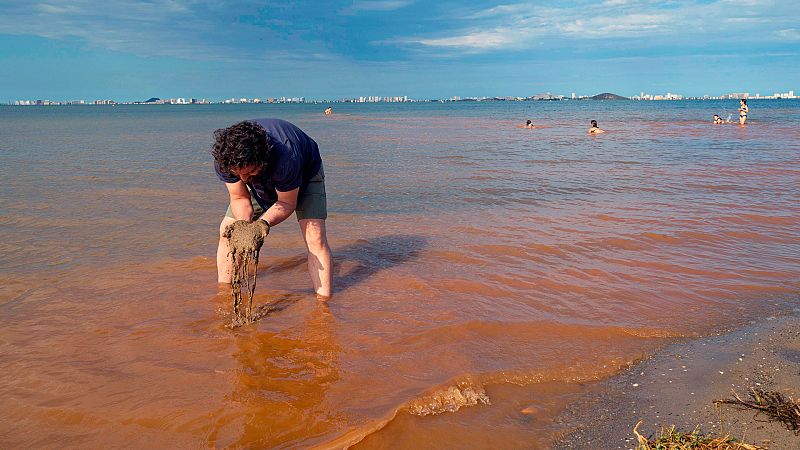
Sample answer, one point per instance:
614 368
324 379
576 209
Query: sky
216 49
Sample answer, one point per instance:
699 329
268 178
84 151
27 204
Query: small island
608 96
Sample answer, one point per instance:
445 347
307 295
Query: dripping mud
245 240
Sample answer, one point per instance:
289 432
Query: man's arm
282 208
240 201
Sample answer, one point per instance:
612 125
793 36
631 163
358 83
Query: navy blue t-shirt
296 160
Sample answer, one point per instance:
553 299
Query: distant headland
608 96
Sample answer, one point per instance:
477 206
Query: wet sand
678 385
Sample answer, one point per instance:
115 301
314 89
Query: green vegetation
672 439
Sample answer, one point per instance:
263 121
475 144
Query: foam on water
449 399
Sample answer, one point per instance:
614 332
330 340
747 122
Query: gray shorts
311 201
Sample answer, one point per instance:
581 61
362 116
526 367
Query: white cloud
214 29
615 2
500 10
476 40
374 5
52 9
157 28
511 26
789 34
632 25
547 22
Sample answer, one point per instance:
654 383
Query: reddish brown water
483 272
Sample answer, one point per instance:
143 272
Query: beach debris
672 439
245 240
772 403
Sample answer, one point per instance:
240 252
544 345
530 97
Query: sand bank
677 386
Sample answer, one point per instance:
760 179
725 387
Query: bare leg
320 265
223 258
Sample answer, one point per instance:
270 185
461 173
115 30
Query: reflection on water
473 261
281 382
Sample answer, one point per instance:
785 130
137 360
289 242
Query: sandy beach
678 385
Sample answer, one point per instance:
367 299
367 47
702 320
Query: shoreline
678 384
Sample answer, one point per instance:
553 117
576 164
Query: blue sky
88 49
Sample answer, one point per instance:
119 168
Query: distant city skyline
790 94
130 51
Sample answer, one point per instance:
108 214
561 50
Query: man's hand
263 226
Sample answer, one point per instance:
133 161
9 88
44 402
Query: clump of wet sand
679 386
245 240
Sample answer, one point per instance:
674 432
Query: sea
486 276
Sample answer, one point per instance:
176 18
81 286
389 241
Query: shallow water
475 262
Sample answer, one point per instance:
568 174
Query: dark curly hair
241 145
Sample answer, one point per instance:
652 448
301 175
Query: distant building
546 96
668 96
737 95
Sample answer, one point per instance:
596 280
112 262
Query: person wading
272 169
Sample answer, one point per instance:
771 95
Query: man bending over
272 169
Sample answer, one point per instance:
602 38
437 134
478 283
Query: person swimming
718 120
328 111
529 124
743 110
594 129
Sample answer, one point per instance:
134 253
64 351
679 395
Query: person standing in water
743 110
272 169
594 129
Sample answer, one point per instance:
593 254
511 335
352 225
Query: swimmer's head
528 122
716 117
593 123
